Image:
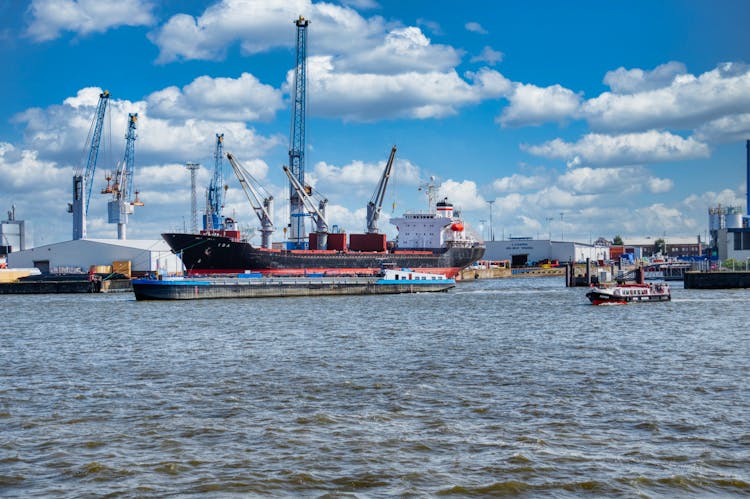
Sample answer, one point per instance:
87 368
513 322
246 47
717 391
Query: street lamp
492 230
549 228
562 233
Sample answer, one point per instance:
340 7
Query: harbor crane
213 219
122 192
318 213
376 203
297 138
260 200
83 179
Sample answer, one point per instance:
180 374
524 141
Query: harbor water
498 387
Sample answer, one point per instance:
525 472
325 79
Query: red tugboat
627 293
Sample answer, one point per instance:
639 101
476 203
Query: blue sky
625 117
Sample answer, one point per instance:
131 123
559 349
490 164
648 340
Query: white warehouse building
70 256
524 251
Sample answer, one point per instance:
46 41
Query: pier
717 280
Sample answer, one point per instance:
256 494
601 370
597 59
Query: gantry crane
260 200
297 214
318 213
376 203
122 203
213 219
83 179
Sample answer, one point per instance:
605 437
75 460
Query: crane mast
376 203
318 213
297 138
262 203
122 191
213 219
83 179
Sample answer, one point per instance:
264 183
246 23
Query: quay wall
716 280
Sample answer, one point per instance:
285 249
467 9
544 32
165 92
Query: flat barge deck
255 286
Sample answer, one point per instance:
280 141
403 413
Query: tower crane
83 179
297 138
122 190
376 203
260 200
318 213
213 219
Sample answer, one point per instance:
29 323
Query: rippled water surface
513 386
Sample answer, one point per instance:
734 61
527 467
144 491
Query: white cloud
687 102
368 97
244 98
402 50
50 17
630 81
622 150
532 105
659 185
518 182
256 25
731 128
463 195
475 27
59 132
489 56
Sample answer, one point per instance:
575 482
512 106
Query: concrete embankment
717 280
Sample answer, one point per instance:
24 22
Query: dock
727 279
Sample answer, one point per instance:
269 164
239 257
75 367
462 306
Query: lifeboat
457 227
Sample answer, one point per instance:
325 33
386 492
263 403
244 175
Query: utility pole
492 229
193 201
562 230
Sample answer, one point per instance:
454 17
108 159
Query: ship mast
297 211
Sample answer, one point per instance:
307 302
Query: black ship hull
209 254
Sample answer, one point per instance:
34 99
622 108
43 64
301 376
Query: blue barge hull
263 287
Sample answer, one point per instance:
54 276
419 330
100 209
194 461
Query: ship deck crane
376 203
318 213
260 200
214 220
83 179
122 190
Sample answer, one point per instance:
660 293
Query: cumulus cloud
532 105
368 97
518 182
255 25
489 56
731 128
463 195
630 81
403 49
621 150
475 27
244 98
50 17
688 101
59 132
659 185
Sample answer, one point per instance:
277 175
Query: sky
569 120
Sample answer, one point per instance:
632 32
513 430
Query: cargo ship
436 242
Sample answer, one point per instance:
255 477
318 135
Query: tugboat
627 293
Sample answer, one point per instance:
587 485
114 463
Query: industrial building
13 234
80 254
524 251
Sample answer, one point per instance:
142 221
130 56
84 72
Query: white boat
627 293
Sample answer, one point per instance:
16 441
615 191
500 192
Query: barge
255 285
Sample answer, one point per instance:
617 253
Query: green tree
660 246
617 241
